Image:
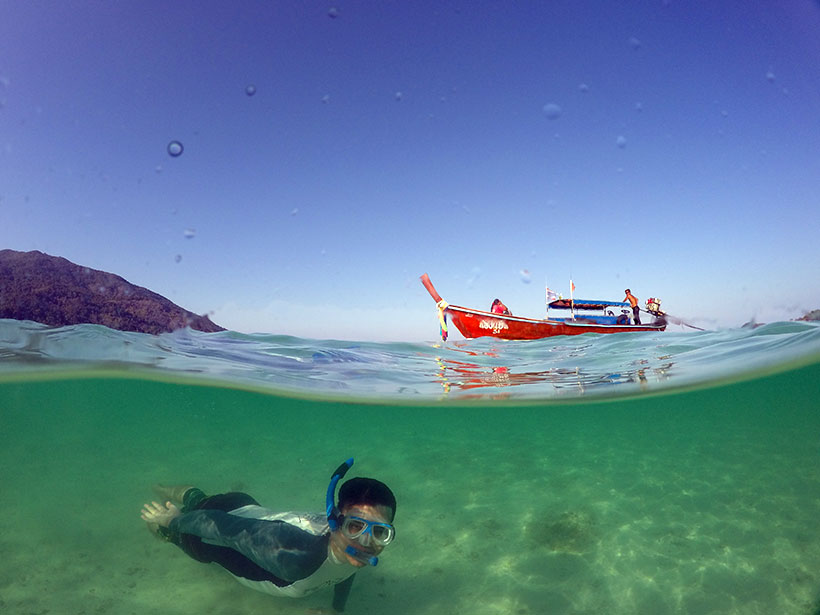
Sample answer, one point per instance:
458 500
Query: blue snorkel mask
334 514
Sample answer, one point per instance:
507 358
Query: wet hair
627 291
496 301
367 491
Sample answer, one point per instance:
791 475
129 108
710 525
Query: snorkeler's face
362 538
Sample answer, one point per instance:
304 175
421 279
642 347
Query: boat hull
477 323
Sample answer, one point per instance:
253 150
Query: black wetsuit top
284 554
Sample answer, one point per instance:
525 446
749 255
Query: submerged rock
568 532
54 291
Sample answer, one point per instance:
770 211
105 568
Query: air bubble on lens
189 233
398 96
250 90
526 277
770 77
325 99
158 169
175 148
639 107
552 111
178 258
333 12
294 211
583 87
634 43
621 141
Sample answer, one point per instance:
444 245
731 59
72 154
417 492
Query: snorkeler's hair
367 491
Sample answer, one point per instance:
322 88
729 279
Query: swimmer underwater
283 554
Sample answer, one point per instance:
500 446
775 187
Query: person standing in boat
499 308
636 310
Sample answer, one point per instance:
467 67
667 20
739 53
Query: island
54 291
812 316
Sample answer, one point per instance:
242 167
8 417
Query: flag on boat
551 296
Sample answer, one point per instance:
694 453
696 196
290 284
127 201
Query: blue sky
671 147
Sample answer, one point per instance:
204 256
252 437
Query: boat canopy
585 304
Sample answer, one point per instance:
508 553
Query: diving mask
363 531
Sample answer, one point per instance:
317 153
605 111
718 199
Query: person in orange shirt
633 301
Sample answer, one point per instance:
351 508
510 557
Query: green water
700 501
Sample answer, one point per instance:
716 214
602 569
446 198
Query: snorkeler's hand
159 514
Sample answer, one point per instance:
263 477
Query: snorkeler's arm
340 593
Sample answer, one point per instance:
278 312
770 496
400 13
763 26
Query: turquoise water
640 473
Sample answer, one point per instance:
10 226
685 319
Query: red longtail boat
480 323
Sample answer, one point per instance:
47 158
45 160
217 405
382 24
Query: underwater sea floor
702 500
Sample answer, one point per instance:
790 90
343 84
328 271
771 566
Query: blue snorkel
333 513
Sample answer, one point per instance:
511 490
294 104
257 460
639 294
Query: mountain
54 291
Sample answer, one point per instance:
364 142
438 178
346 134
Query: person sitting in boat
636 310
499 308
287 554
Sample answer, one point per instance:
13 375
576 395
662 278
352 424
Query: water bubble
294 211
178 258
770 77
552 111
333 12
639 107
634 43
526 277
583 87
398 96
250 90
621 141
189 233
175 148
326 99
158 169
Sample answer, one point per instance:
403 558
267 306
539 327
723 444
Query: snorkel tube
333 513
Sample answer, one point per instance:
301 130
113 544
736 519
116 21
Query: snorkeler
286 554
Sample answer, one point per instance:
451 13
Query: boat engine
653 306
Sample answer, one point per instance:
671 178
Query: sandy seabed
607 508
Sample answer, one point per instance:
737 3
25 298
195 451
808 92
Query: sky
332 152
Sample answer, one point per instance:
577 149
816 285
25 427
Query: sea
637 473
